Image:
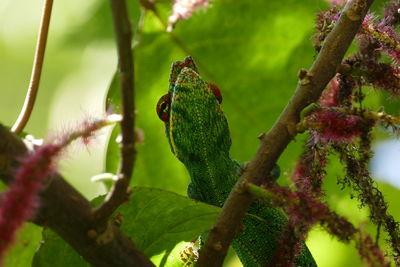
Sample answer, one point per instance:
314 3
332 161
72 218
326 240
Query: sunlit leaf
155 220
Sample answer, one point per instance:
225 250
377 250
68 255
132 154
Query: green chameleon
198 133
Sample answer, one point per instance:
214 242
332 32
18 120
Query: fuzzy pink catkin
183 9
335 126
337 2
21 200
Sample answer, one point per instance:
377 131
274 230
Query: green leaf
155 219
113 153
113 98
23 250
181 255
252 51
54 251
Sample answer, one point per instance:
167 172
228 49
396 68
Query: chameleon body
198 133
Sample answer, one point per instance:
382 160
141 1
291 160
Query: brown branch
70 215
273 143
119 193
33 88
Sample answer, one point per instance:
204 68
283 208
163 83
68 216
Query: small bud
92 234
114 117
217 246
304 77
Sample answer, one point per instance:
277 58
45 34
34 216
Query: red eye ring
216 92
163 107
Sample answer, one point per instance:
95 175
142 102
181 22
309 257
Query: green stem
33 88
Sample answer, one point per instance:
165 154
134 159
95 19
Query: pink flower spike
334 126
183 9
337 2
20 201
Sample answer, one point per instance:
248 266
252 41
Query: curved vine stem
31 94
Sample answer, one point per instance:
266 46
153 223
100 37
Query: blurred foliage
251 49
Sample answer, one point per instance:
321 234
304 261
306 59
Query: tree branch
33 88
119 193
311 84
70 215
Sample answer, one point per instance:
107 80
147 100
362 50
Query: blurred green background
251 49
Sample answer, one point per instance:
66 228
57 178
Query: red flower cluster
324 24
370 252
335 126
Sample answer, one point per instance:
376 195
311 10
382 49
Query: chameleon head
196 127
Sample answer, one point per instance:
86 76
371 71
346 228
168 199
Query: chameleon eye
216 92
163 106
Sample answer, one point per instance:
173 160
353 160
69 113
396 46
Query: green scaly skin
198 133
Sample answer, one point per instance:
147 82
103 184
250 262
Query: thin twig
273 143
33 88
123 30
